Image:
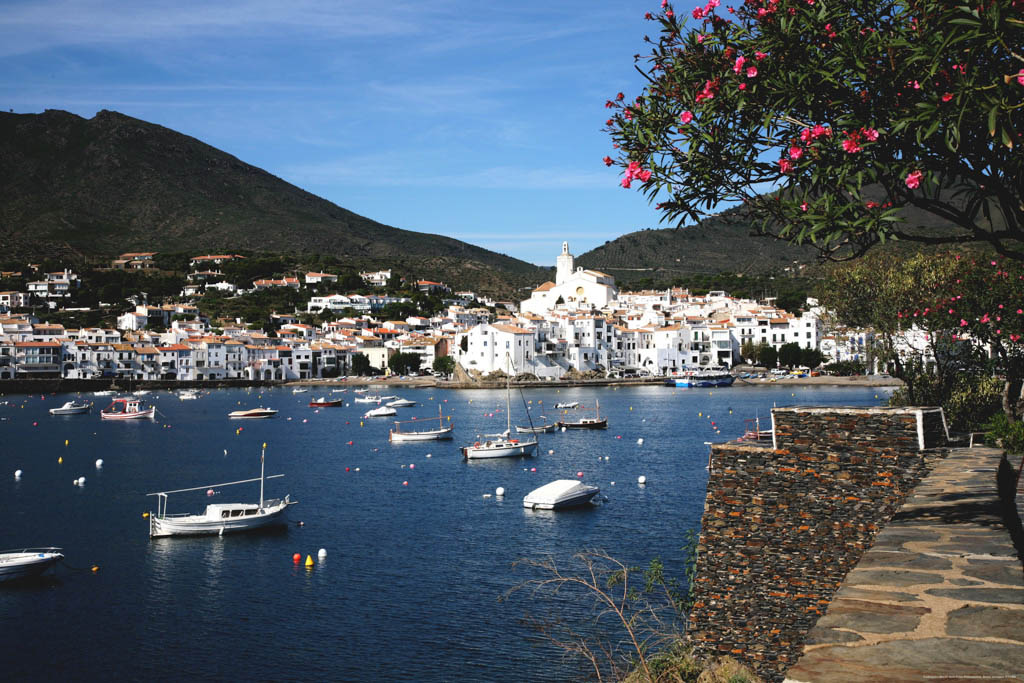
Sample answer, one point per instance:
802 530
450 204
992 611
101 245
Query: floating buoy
95 568
296 558
640 442
99 463
487 495
357 469
304 420
428 455
145 515
65 442
613 483
405 483
641 480
618 436
579 474
209 492
499 492
349 443
551 451
17 474
322 553
533 469
563 429
360 423
81 481
412 466
309 562
631 408
35 424
60 460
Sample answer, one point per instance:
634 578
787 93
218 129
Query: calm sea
417 554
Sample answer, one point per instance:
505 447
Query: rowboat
431 433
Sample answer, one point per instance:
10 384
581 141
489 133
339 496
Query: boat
219 518
501 445
544 428
252 413
574 404
71 408
324 402
400 403
596 422
128 409
367 399
26 563
188 394
441 431
299 390
559 494
719 377
381 411
103 393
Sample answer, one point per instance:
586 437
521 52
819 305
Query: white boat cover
560 493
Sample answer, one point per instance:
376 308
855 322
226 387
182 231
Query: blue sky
475 120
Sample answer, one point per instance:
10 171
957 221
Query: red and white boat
128 409
324 402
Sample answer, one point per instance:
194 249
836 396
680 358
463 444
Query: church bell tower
564 266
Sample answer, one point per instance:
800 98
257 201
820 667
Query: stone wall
782 525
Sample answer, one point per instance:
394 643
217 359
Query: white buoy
640 442
322 553
428 455
17 474
641 480
563 429
499 492
613 483
551 451
81 481
99 463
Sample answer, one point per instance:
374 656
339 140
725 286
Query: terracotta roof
545 287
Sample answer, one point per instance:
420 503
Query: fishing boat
324 402
381 411
219 518
400 403
596 422
128 409
71 408
252 413
27 562
543 428
559 494
718 377
501 445
402 431
573 404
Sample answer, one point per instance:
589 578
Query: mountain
722 243
88 188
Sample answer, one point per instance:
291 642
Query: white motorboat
27 562
400 403
128 409
252 413
103 393
219 518
501 445
299 390
403 431
188 394
562 493
71 408
573 404
381 411
367 399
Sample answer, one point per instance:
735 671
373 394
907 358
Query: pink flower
739 64
686 116
946 97
1020 77
785 165
760 55
626 182
820 130
870 134
803 207
963 323
795 153
751 71
742 86
850 146
700 38
913 179
607 161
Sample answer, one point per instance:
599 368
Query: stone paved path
940 595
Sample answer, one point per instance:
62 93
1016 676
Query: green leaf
992 113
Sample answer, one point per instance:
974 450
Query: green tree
767 355
851 110
748 351
789 354
444 365
405 363
361 365
811 358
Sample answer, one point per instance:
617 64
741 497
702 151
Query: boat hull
595 424
141 415
201 525
26 564
252 414
490 450
697 382
540 429
432 435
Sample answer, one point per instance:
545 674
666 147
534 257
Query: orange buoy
297 557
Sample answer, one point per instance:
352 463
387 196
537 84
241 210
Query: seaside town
579 325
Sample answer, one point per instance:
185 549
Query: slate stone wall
782 526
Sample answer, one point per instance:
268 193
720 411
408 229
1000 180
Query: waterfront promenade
939 596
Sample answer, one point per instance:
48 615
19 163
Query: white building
575 289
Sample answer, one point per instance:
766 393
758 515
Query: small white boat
388 398
128 409
367 399
219 518
381 411
299 390
252 413
574 404
562 493
27 562
71 408
140 392
543 428
400 403
403 431
102 393
188 394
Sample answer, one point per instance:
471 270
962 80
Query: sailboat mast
262 453
508 394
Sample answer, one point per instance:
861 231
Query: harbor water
419 549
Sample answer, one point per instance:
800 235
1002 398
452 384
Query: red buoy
297 557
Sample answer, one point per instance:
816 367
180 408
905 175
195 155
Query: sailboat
501 445
431 433
596 422
219 518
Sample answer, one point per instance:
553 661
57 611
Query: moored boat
400 403
128 409
570 405
501 445
324 402
381 411
219 518
543 428
367 399
188 394
402 431
71 408
27 562
701 378
596 422
562 493
252 413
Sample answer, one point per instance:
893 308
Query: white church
578 289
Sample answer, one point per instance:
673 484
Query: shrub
1007 434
